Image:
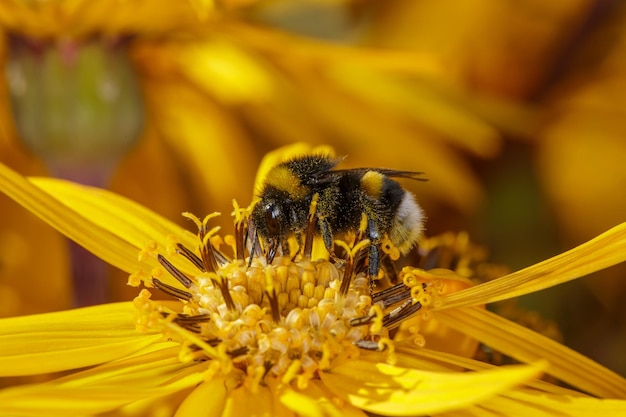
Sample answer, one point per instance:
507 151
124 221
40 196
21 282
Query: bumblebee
348 201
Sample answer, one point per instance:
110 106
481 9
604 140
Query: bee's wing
388 172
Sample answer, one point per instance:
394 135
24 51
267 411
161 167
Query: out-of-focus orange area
516 111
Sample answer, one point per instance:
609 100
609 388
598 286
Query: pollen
288 320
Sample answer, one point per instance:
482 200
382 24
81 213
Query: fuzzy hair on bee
345 198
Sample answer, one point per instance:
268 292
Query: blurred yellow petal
48 342
80 18
225 71
149 186
488 45
551 405
581 166
425 103
309 52
404 392
203 137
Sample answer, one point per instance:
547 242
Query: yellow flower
240 337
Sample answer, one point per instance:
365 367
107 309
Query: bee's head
269 219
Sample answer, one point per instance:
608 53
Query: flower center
288 320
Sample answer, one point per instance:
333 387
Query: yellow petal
390 390
69 339
242 402
206 400
541 403
128 220
72 224
601 252
316 401
527 346
53 399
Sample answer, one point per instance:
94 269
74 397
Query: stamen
392 295
274 306
190 256
359 321
182 318
180 277
239 351
191 323
241 228
207 254
173 291
351 254
368 345
394 318
222 284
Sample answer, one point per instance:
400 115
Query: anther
180 277
238 352
359 321
192 257
392 295
173 291
207 253
368 345
347 276
222 283
240 239
273 299
408 308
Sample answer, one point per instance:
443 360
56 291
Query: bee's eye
272 214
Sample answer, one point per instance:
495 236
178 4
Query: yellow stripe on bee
372 183
285 180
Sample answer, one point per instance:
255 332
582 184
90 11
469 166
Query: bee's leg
374 255
300 248
284 247
307 249
327 235
374 259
